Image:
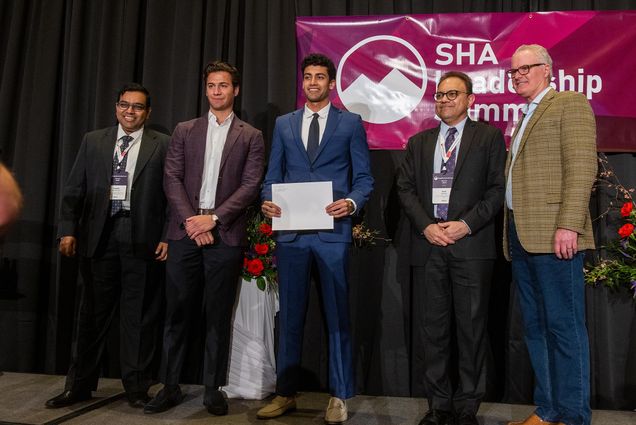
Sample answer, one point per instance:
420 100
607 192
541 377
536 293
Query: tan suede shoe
278 406
533 420
336 411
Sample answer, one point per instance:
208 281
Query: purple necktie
449 167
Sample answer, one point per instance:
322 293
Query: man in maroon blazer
213 172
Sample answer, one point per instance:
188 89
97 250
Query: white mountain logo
391 99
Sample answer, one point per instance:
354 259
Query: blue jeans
551 296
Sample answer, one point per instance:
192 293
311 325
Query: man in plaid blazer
550 170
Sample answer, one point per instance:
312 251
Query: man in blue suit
317 143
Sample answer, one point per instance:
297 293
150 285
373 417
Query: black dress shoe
138 400
68 398
467 419
166 399
215 402
438 417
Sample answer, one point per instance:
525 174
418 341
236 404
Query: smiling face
131 119
316 86
452 112
220 92
535 81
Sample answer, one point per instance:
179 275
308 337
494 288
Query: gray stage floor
23 397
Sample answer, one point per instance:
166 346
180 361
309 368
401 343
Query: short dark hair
457 74
220 66
318 59
134 87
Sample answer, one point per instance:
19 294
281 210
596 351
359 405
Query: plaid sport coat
553 173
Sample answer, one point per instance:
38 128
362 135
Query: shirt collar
212 120
135 134
443 129
529 107
323 113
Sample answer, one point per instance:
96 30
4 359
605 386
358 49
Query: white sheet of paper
302 206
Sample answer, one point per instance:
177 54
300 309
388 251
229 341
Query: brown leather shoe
533 420
336 411
278 406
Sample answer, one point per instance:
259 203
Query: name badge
442 184
118 185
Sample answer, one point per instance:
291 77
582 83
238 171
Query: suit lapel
196 154
296 122
335 115
106 151
146 149
536 115
232 136
467 140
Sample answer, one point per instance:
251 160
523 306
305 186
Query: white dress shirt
215 141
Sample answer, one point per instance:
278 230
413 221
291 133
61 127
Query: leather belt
205 211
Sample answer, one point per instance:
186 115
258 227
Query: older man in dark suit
214 168
113 214
451 186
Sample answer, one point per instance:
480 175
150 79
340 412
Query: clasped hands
337 209
445 233
199 229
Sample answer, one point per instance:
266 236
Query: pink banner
388 66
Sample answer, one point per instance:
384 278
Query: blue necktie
117 205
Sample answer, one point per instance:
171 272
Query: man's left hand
161 252
565 244
454 229
340 208
199 224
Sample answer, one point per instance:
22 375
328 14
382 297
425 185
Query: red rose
261 248
627 209
265 229
626 230
244 262
255 267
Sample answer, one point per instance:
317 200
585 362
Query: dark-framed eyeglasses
522 70
450 95
137 107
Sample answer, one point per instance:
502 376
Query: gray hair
540 52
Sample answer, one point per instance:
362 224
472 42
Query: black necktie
313 138
117 205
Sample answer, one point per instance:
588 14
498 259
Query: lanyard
119 155
446 154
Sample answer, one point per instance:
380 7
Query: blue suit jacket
343 159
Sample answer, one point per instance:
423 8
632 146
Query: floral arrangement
619 270
259 263
363 236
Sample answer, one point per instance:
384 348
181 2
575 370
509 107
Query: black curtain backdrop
61 63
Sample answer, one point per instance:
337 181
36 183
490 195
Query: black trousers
215 269
448 290
115 280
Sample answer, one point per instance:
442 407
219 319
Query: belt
121 214
205 211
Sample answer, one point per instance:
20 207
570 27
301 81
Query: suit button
196 198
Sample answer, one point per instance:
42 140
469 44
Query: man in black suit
451 185
113 214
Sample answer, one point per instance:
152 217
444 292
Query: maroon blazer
242 164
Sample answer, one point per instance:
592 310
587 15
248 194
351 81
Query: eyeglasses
522 70
450 95
137 107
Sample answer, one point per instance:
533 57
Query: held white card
302 206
